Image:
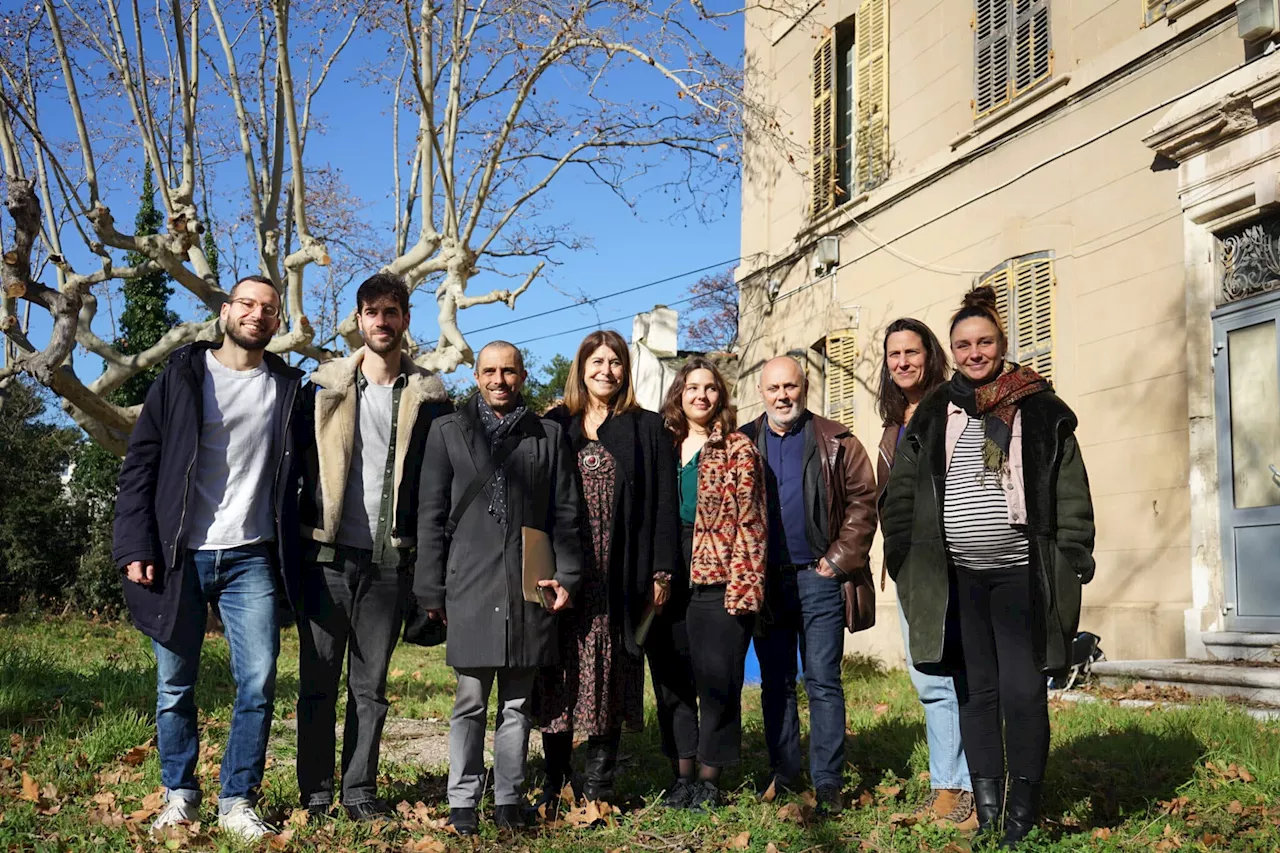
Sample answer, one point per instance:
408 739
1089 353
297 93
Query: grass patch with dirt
78 771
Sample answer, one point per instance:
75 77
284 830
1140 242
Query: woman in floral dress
627 465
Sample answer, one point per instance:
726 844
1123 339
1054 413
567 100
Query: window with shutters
842 359
1153 10
850 142
1012 51
1024 294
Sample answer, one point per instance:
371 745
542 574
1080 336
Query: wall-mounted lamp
772 286
826 255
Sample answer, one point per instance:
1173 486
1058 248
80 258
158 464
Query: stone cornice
1228 107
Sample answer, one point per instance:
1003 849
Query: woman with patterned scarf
988 511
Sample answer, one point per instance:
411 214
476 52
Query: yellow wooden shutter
871 40
1024 296
1033 303
1033 56
823 146
842 357
992 87
998 280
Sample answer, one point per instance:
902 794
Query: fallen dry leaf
396 673
49 792
281 840
154 800
770 793
771 848
888 792
1235 807
901 819
741 841
1102 833
881 709
298 817
424 845
138 754
30 788
792 812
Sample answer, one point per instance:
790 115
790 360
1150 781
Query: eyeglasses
248 305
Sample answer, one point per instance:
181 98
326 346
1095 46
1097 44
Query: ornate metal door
1246 335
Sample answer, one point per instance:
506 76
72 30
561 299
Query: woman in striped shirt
1013 528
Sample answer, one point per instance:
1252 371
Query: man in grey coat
469 571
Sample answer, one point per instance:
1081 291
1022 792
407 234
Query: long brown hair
725 416
892 402
575 387
981 302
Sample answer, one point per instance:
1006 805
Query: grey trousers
352 610
510 737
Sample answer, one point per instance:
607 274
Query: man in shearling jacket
369 415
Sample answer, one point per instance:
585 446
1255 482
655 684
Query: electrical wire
595 299
601 324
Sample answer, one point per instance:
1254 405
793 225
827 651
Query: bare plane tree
492 102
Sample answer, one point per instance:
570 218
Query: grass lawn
77 772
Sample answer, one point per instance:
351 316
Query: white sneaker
177 810
244 822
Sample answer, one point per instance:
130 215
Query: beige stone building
1111 166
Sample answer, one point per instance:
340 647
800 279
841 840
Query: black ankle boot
1022 810
557 753
988 801
602 762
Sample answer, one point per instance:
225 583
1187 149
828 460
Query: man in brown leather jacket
822 517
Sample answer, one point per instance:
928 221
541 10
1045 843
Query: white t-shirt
231 504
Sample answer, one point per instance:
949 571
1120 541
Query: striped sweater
975 511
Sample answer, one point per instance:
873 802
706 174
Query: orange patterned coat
730 537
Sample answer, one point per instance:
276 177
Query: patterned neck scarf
995 402
496 429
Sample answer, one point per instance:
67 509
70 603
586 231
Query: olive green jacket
1059 526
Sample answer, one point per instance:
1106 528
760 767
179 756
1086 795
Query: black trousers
718 646
352 611
671 667
1001 687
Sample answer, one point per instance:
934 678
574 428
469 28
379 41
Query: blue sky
626 248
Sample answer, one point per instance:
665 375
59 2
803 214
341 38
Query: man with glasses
207 513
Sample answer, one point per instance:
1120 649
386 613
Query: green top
689 489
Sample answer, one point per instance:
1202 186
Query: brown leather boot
954 807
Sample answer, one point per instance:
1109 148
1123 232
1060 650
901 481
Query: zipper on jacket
195 452
284 438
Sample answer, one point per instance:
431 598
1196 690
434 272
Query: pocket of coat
1066 590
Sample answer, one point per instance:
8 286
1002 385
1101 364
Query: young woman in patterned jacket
724 543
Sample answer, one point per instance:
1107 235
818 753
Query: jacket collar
341 375
192 357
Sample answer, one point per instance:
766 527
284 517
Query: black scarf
496 429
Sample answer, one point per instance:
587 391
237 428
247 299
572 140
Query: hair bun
983 298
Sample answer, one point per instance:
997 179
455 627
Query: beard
247 338
384 347
789 419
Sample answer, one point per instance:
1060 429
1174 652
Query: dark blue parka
157 480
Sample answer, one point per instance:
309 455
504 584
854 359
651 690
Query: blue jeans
804 609
242 583
947 765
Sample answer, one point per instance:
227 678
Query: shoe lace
931 799
174 810
963 808
246 815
